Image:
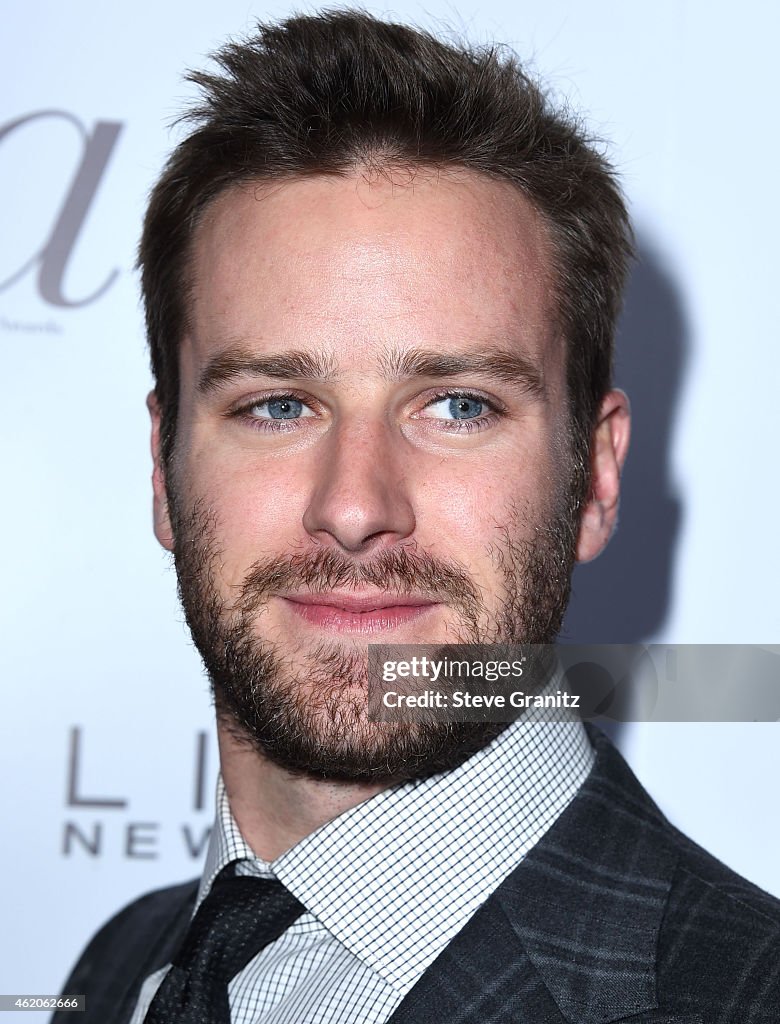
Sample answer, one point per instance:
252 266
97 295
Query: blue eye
277 412
464 408
456 408
284 408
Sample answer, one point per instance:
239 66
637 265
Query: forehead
354 264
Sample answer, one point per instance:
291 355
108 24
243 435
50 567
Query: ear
162 521
609 445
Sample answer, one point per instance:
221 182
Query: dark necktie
239 917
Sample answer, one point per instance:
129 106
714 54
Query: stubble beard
306 710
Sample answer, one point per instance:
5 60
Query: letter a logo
52 258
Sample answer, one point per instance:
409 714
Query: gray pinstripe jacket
613 916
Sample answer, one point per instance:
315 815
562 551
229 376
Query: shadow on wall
624 595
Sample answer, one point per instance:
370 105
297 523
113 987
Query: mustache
401 572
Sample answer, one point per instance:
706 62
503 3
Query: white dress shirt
390 882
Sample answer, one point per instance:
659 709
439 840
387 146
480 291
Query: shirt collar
396 877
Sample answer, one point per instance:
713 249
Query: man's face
371 447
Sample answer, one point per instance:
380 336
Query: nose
360 501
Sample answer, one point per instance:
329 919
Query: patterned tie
239 917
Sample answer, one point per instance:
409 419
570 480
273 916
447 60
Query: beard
305 706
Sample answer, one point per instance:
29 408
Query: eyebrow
494 362
497 363
237 362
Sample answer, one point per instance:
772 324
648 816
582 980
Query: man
381 280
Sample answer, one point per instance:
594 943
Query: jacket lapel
160 951
570 936
484 975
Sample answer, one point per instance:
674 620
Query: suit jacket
613 916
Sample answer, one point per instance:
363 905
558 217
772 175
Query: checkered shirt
389 883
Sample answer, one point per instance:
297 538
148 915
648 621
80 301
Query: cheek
469 508
258 507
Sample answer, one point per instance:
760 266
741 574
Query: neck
275 808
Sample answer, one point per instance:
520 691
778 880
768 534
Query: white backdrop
108 758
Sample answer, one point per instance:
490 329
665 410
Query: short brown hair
328 93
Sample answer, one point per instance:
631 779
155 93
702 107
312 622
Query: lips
359 613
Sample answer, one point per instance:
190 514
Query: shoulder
720 938
135 942
719 934
154 908
145 920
